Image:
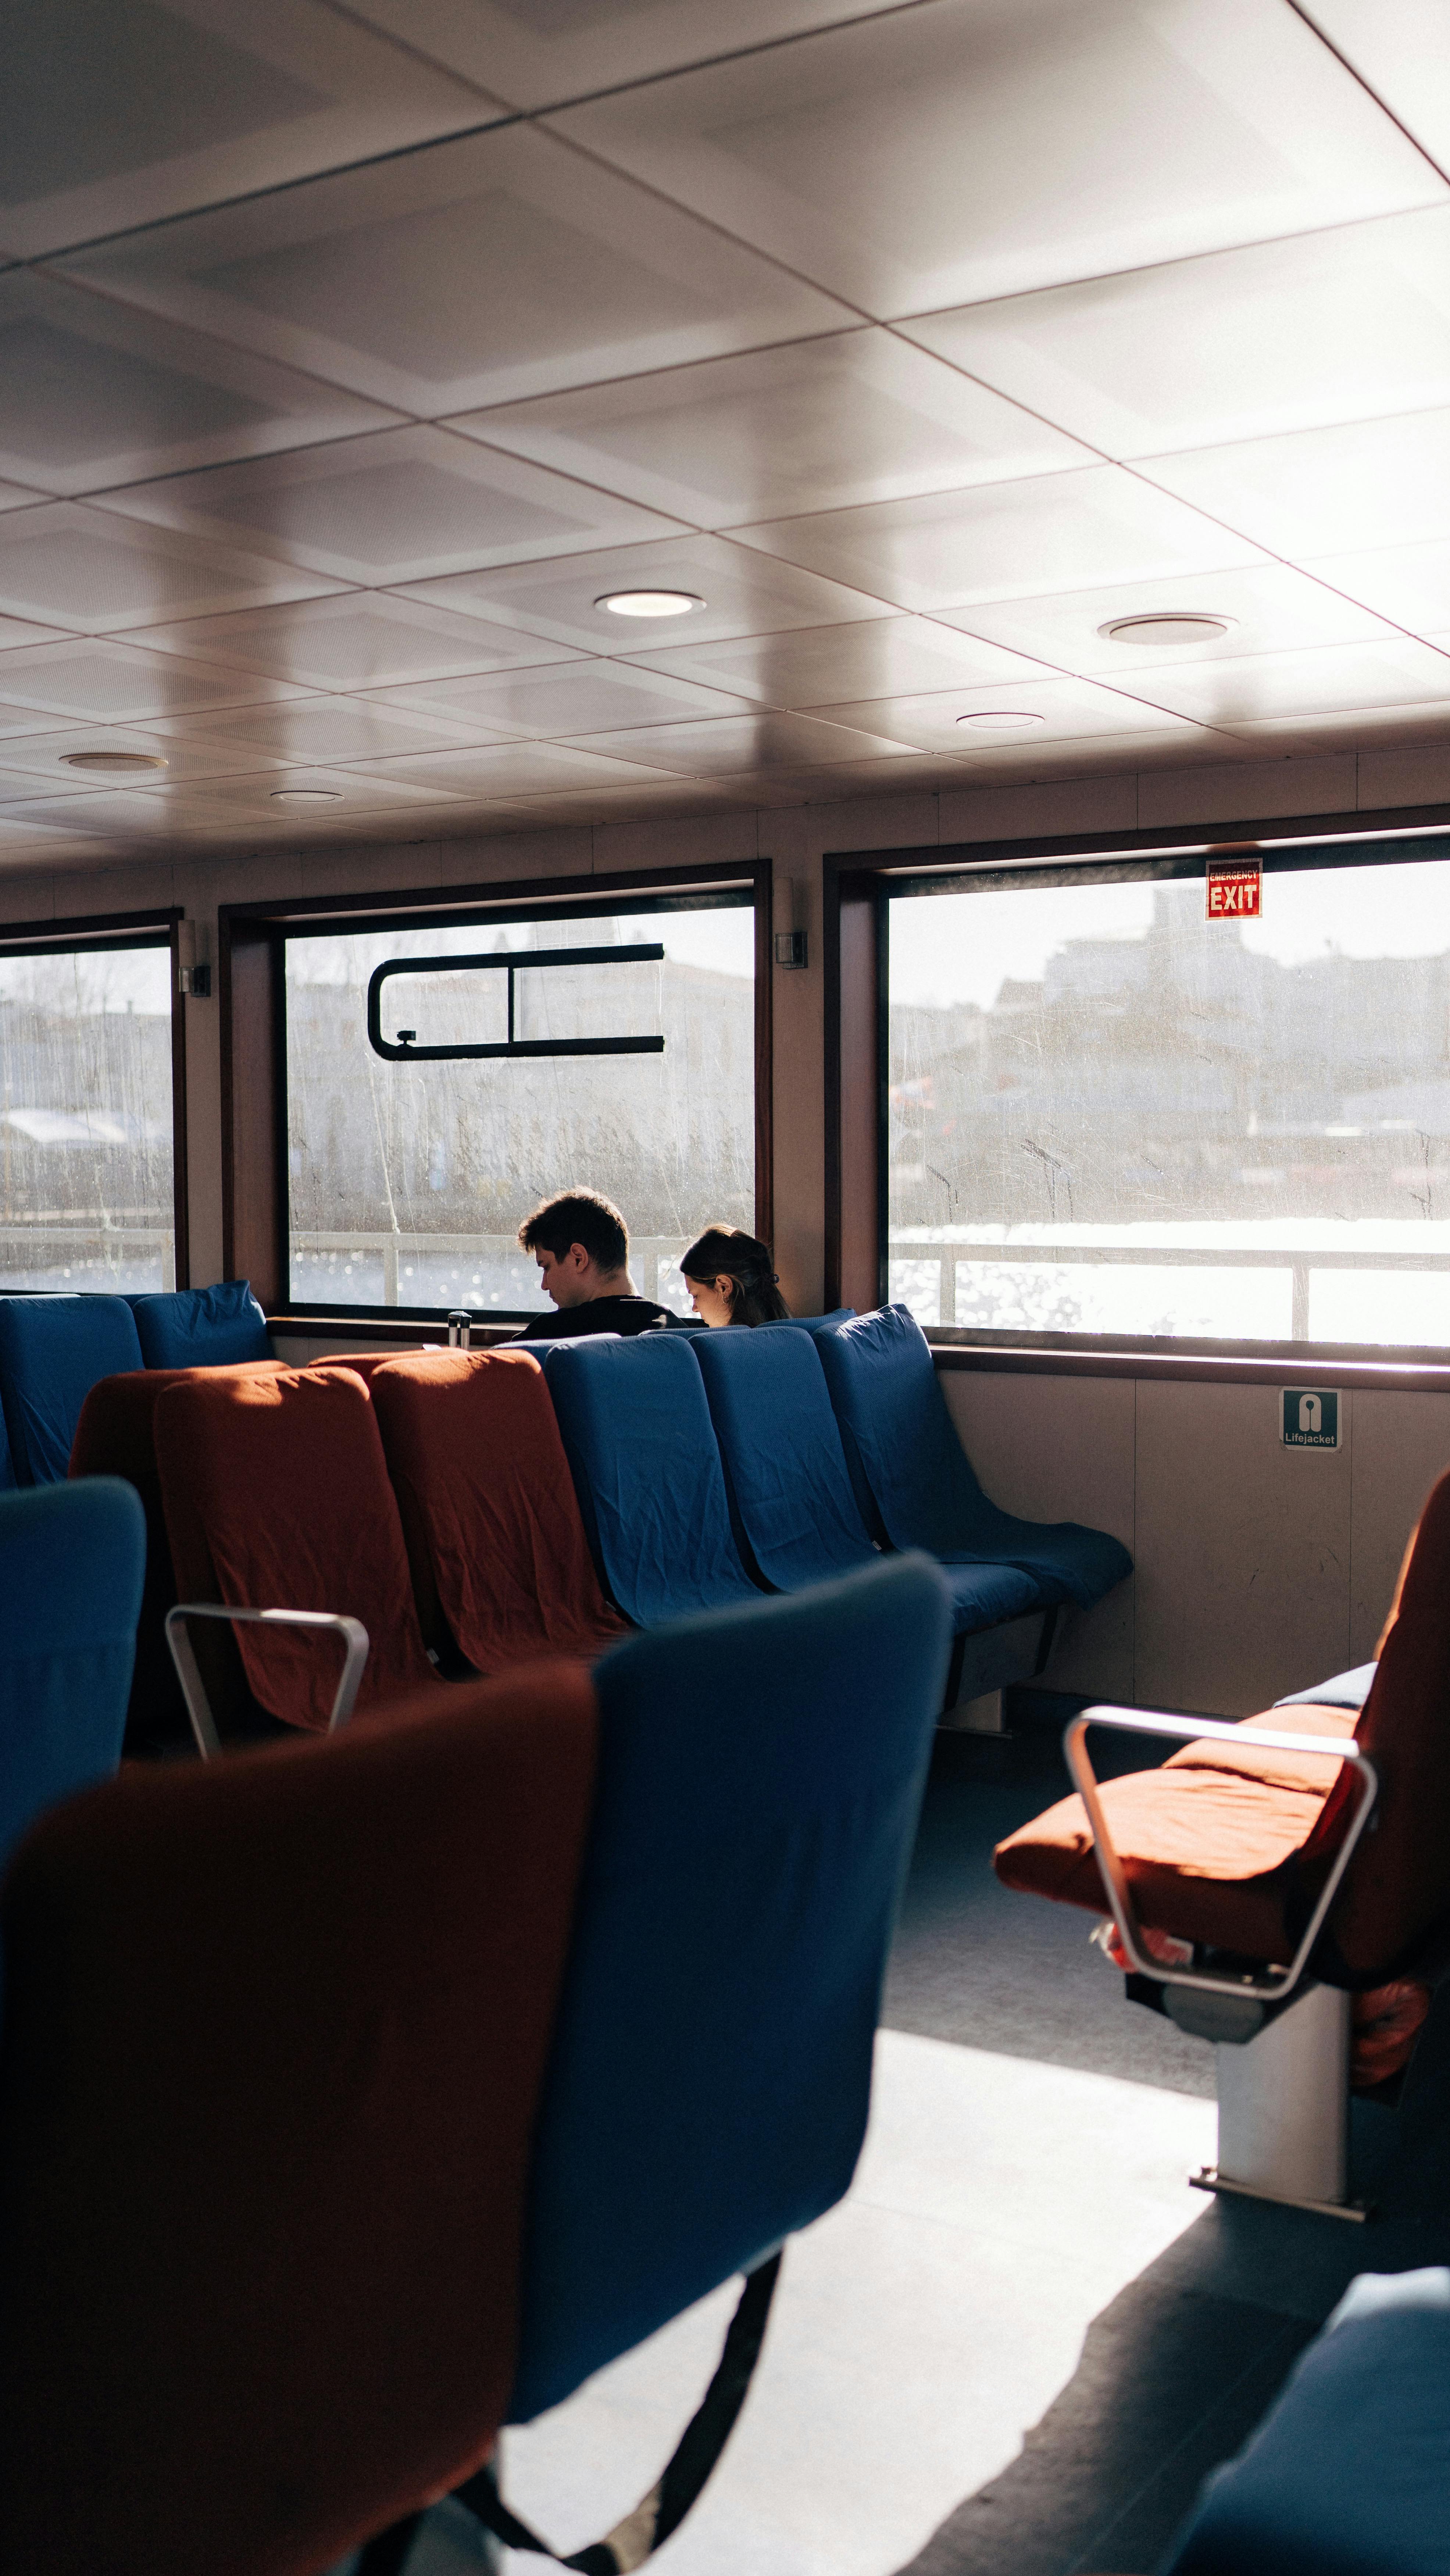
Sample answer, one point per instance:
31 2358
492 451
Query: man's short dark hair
578 1216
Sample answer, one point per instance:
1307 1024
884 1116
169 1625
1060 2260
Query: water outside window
86 1184
1110 1115
408 1180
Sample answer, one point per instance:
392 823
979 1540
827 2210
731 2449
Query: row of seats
431 1497
54 1349
261 2303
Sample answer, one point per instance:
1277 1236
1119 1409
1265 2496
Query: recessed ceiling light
1001 720
1166 627
307 795
649 603
116 763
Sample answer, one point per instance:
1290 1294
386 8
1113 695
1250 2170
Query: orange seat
276 1495
275 2031
501 1565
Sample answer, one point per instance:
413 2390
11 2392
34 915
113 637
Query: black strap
662 2511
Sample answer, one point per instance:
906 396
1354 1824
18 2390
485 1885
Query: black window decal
511 961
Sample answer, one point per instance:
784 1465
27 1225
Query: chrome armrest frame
1192 1730
188 1672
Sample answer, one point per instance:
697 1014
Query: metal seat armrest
1192 1730
188 1672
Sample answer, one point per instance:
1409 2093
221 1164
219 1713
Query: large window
442 1080
1111 1115
86 1171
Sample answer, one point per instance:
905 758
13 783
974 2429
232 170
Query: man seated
581 1244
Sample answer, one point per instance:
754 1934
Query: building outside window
1110 1115
87 1182
409 1171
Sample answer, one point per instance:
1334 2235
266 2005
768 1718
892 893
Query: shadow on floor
1178 2369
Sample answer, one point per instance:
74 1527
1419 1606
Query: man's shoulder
598 1315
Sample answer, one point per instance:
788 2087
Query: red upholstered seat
116 1436
1231 1848
489 1511
274 2036
277 1497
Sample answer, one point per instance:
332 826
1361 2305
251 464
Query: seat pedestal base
1283 2109
1208 2178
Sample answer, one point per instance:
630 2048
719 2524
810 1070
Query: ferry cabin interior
831 619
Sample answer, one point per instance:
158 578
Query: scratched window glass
1110 1114
86 1183
412 1160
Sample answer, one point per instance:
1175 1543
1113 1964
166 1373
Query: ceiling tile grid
1004 388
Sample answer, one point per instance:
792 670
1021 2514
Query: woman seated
730 1279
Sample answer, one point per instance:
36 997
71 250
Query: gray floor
1018 2346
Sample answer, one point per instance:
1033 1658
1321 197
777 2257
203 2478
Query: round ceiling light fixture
306 795
1164 628
114 764
1001 720
649 603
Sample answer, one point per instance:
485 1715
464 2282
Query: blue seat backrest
783 1455
637 1435
760 1772
52 1351
72 1558
201 1327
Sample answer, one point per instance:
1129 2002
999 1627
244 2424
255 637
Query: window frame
100 931
858 895
251 944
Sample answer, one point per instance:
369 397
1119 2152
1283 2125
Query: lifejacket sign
1233 891
1310 1417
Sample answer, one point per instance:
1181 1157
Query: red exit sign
1233 892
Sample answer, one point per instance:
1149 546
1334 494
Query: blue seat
1349 2472
787 1479
636 1432
52 1351
72 1558
1342 1690
760 1772
912 1478
201 1327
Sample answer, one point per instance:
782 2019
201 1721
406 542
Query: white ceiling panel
347 790
1268 608
725 743
372 640
742 593
1348 729
403 506
584 697
1007 540
20 630
858 416
46 755
100 682
1410 584
974 148
1266 685
1400 48
480 272
1084 755
892 656
522 769
1287 335
93 392
538 53
68 564
112 116
1324 491
1052 710
337 730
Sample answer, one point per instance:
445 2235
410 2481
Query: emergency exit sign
1311 1417
1233 893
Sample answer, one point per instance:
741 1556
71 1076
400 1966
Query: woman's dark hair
727 1251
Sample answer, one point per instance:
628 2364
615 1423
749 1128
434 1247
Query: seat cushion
52 1350
1215 1845
499 1556
277 1497
202 1327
